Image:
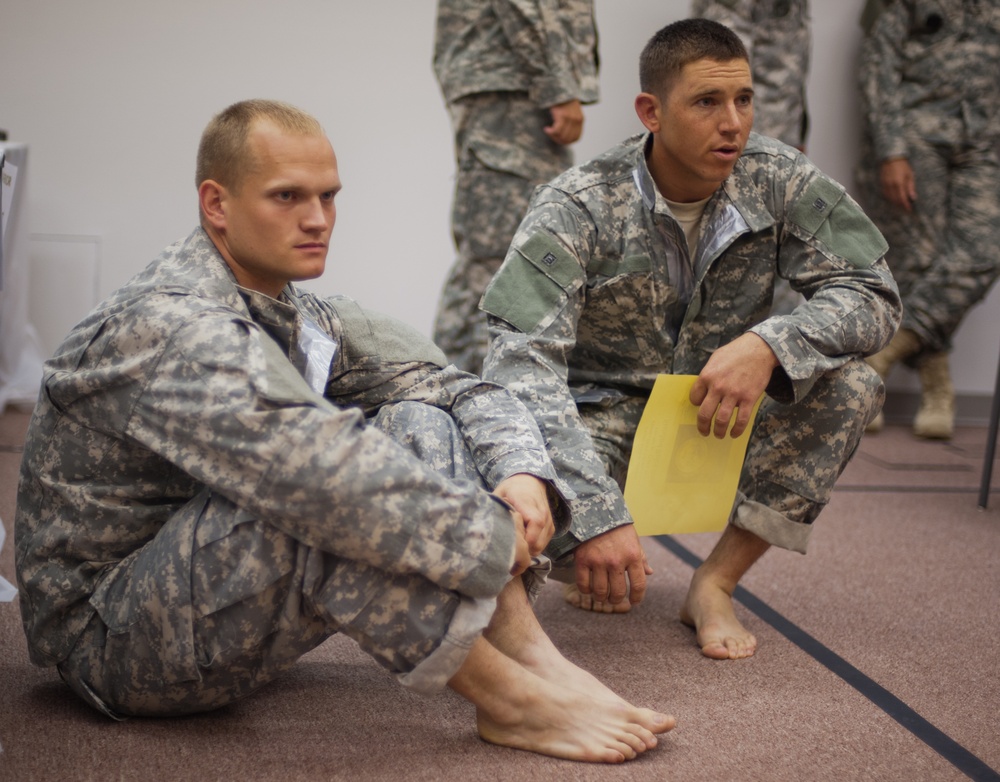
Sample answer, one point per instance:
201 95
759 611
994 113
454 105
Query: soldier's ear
212 200
647 108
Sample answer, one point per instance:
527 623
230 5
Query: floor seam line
920 727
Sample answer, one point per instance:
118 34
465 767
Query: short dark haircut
681 43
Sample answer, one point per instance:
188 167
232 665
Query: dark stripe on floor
883 489
948 748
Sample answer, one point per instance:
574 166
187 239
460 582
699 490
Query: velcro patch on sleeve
532 283
551 259
826 213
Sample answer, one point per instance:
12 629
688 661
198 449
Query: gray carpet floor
877 661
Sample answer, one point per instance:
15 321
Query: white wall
112 96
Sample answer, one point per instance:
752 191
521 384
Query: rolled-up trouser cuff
433 673
470 619
536 576
770 526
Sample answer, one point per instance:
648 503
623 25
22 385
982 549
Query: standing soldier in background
514 74
777 36
930 173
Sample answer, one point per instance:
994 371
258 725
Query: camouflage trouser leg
459 327
945 254
612 425
220 603
611 418
797 452
502 155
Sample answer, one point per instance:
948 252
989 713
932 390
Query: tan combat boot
902 346
936 417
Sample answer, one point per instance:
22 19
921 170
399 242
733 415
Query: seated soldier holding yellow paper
661 256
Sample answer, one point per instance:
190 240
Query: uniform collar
738 189
644 179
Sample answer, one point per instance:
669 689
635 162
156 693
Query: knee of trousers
797 451
431 435
399 619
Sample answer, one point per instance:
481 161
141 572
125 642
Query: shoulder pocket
827 214
532 283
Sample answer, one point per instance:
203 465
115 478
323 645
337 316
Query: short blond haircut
224 155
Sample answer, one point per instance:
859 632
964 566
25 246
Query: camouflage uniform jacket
546 48
183 381
590 298
933 68
777 36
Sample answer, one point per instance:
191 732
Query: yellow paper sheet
678 480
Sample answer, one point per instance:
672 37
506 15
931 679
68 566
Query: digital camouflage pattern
192 516
777 36
503 154
598 295
500 66
929 85
545 48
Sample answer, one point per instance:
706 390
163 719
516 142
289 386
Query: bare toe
721 636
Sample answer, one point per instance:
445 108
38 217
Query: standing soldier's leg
917 243
503 154
969 261
960 277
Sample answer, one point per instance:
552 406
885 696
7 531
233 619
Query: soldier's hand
522 554
731 383
899 185
567 122
529 496
612 567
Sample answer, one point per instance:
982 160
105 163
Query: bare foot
575 728
528 696
577 599
516 632
709 610
544 660
521 710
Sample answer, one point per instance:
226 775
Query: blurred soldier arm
537 34
881 75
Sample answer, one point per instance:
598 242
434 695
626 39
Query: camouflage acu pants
502 155
795 455
945 254
219 604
